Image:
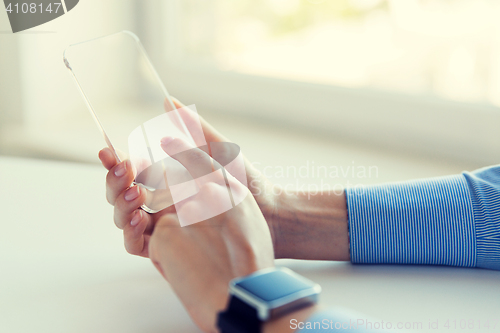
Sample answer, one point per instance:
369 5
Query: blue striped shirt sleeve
452 220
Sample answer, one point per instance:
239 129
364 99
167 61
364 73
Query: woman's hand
200 260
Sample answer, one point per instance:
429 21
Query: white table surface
63 268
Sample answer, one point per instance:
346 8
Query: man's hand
260 187
127 201
201 259
302 225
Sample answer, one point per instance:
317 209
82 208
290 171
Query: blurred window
445 48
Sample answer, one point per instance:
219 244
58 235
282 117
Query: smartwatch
265 295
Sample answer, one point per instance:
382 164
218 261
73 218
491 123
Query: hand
302 225
200 260
260 187
137 225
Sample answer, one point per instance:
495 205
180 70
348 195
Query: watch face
273 285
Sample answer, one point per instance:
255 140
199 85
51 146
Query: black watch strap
239 318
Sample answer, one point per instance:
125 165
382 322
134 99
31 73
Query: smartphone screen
127 99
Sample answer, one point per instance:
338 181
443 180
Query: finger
191 118
121 155
186 119
177 103
118 180
197 162
108 159
212 135
168 105
178 122
135 239
126 204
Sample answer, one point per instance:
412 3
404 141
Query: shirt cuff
419 222
484 185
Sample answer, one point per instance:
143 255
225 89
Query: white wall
10 81
47 86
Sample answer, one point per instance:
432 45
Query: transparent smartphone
126 96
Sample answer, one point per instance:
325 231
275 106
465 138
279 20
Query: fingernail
166 140
135 220
132 193
121 169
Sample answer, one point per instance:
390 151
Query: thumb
197 162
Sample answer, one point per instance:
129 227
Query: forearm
311 226
445 221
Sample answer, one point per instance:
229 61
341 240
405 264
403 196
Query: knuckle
130 244
121 205
224 152
109 178
117 183
118 222
121 219
247 249
164 225
196 156
130 249
189 207
128 207
109 199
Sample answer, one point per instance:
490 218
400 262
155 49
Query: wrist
260 301
310 226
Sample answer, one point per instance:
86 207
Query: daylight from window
449 49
